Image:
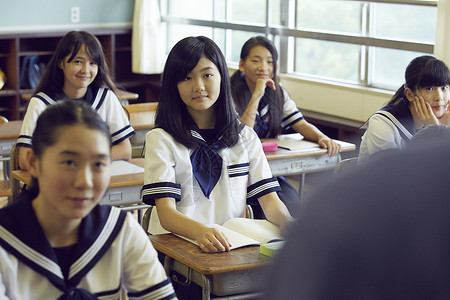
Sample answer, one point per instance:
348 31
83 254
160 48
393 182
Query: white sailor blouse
112 253
102 100
389 128
171 170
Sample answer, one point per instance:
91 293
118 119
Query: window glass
327 59
180 31
192 9
238 38
342 16
275 11
247 11
405 22
219 10
388 67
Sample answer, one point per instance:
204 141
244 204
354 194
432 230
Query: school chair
5 184
142 118
141 107
345 165
16 185
5 188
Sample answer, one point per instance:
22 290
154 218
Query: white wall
337 100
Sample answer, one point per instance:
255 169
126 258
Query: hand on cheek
424 111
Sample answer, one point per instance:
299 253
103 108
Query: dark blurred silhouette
429 135
380 232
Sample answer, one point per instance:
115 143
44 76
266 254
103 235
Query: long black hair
172 114
242 95
423 71
52 80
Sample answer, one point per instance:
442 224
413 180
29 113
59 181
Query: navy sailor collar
22 236
400 115
95 96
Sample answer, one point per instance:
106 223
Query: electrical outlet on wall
75 14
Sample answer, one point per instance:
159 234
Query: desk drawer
120 196
306 164
5 147
223 284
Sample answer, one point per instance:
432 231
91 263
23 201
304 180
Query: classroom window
327 59
366 43
341 16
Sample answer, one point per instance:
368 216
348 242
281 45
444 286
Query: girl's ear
409 94
61 64
33 163
241 65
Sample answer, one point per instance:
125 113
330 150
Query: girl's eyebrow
73 153
206 68
257 56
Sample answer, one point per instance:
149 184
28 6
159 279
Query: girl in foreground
78 71
422 100
56 242
201 165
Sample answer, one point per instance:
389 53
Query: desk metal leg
301 186
167 264
206 287
6 168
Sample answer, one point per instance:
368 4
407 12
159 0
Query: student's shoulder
379 120
41 99
158 134
247 133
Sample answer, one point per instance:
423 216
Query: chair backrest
345 165
16 185
3 120
138 107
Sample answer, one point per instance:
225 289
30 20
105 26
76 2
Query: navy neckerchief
261 126
206 163
22 235
401 117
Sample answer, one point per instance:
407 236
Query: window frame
286 35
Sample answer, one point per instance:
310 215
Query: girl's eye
430 88
255 61
270 62
187 78
93 63
208 75
446 87
69 163
99 165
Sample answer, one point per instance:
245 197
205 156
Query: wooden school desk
237 273
302 157
123 190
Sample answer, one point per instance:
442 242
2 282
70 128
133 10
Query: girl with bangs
262 103
421 101
201 165
78 71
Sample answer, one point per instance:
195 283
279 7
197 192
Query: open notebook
246 232
122 167
291 142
